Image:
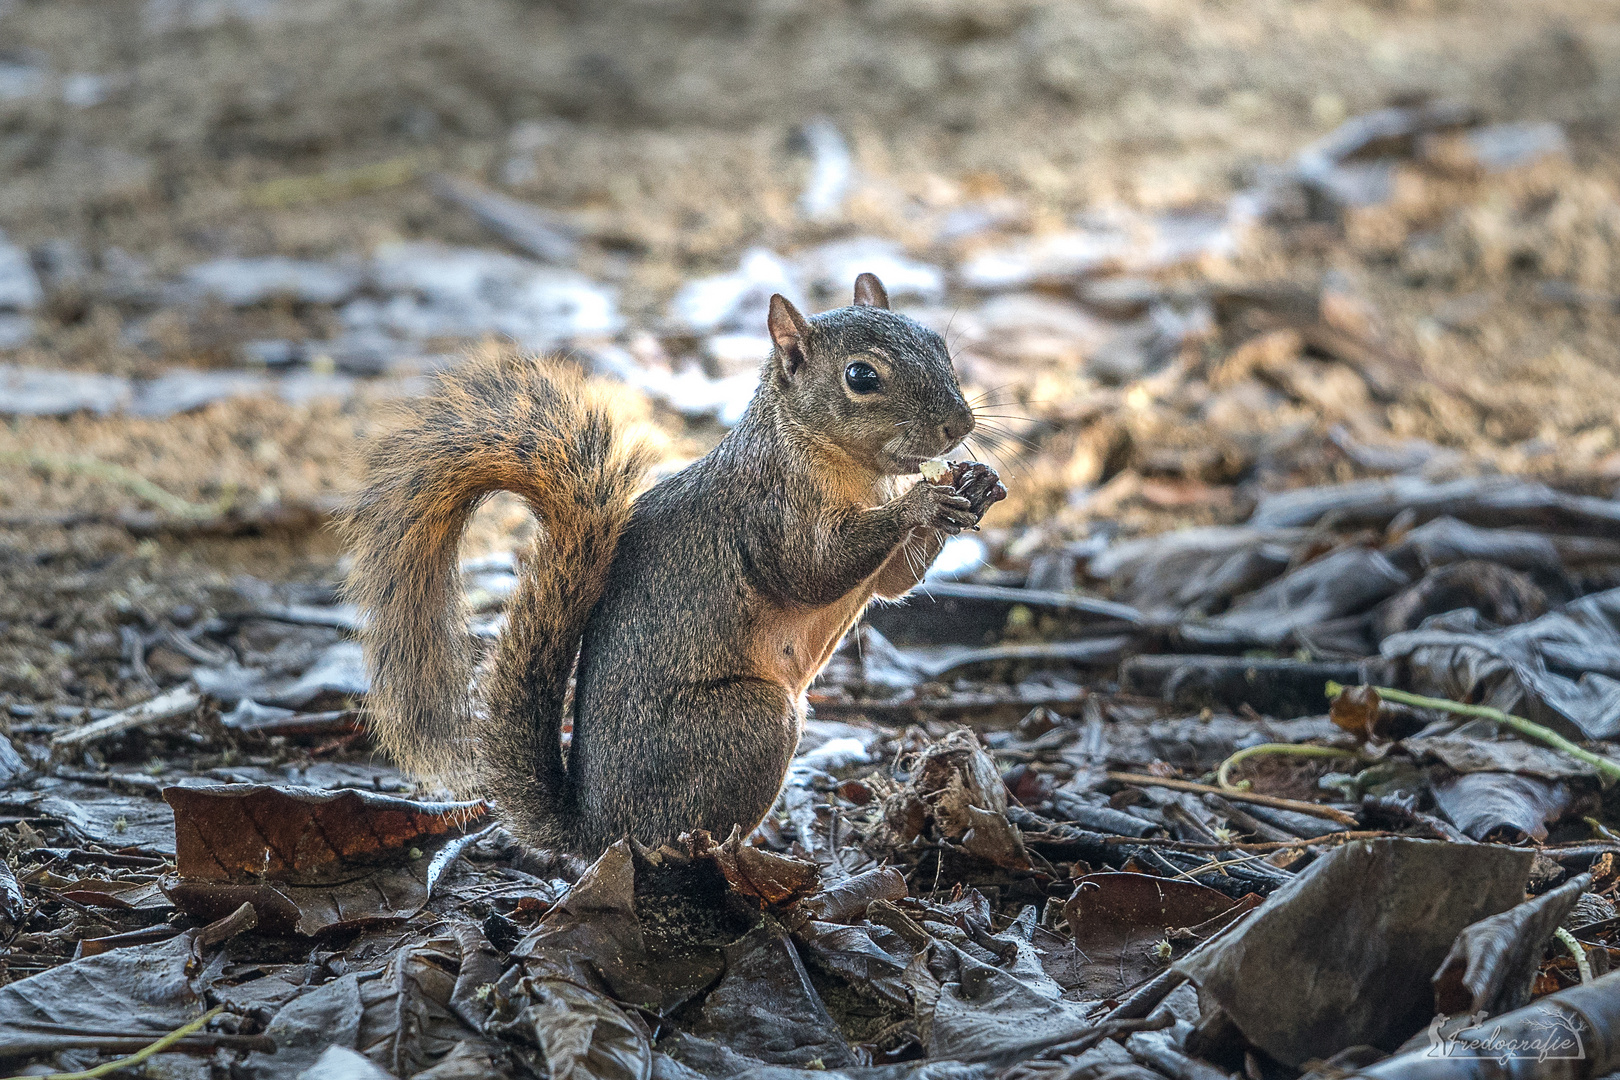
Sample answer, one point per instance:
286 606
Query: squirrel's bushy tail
498 422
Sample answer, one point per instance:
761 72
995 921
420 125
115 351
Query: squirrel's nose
958 427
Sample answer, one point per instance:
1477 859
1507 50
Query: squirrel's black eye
862 378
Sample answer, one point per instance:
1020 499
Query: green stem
138 1056
128 479
1603 831
1578 951
1610 770
1282 749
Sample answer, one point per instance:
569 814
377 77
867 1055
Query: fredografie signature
1554 1039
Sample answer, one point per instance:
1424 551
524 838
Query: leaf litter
1082 807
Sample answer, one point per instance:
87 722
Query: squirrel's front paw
939 506
979 484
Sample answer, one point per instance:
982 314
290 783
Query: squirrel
699 612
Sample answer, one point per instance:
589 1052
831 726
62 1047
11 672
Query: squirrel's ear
788 330
869 292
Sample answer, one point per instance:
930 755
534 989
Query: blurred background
1191 250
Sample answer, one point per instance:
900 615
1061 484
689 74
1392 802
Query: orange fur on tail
498 422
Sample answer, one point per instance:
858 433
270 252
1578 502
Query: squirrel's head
878 384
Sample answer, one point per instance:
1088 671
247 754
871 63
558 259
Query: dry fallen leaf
228 831
1356 711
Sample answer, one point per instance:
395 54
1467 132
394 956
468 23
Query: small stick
1609 769
1273 801
138 1056
131 481
176 702
1216 864
1279 749
1262 846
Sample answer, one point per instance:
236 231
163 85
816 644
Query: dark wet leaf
409 1017
401 1017
1198 569
468 1061
1466 755
1274 687
1346 582
1493 962
140 991
685 1057
580 1034
374 895
766 1007
955 613
1484 500
1119 920
302 1030
1481 803
846 901
1578 1028
1374 913
970 1010
870 957
111 819
1198 745
1446 541
1562 670
597 931
1502 597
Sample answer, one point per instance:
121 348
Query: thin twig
1610 770
1216 864
1265 847
1273 801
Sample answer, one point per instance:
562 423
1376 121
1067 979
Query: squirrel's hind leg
714 759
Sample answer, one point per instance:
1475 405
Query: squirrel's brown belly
790 646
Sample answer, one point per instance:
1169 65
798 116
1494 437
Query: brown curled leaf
253 830
1356 710
769 878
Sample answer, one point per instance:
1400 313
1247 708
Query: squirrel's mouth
910 464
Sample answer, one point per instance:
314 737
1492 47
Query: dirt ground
249 127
